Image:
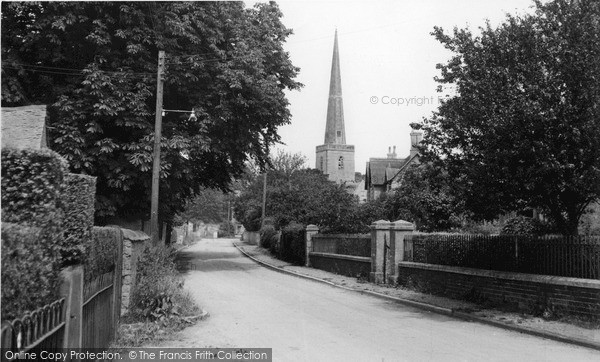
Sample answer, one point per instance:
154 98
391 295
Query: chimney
415 139
390 153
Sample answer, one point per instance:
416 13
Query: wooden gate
98 327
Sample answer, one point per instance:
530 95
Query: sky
388 63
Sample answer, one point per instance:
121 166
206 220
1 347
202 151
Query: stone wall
133 245
350 266
251 237
529 293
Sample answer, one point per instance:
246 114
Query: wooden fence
574 256
98 308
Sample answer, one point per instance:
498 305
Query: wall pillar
380 238
72 290
133 246
398 230
310 231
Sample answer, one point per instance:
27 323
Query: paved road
251 306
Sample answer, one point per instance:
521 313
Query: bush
252 219
268 237
522 225
29 279
483 228
101 252
293 246
160 304
158 293
78 198
226 229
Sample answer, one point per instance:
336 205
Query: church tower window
341 163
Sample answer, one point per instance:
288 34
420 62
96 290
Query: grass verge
160 305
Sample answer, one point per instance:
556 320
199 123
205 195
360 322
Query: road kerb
432 308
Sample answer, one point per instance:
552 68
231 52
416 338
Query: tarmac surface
252 306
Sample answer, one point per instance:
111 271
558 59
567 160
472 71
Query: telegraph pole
154 233
264 200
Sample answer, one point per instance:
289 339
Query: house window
341 163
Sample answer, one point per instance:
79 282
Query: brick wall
351 266
524 292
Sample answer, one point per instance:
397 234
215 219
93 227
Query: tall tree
425 197
294 193
208 205
524 127
95 63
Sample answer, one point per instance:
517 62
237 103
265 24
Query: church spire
335 132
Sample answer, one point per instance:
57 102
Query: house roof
390 173
409 160
379 170
24 127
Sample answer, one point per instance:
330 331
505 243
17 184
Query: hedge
78 199
268 238
29 280
252 219
31 190
101 253
293 246
522 225
31 185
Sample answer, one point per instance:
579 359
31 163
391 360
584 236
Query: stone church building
335 158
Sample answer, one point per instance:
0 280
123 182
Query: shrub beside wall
252 219
78 199
293 246
101 252
268 237
157 279
29 280
522 225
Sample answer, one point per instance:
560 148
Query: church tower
335 158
